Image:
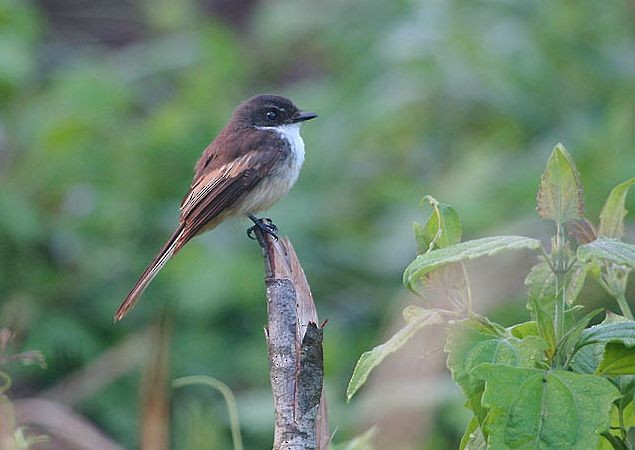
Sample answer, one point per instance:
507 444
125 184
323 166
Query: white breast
291 133
278 184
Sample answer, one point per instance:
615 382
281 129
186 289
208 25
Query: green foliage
416 318
608 250
614 212
442 229
560 194
552 382
550 409
416 272
475 341
618 359
104 107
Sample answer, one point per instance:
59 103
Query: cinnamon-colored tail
172 246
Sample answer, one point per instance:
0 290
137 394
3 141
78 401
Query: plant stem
227 394
623 304
468 290
620 409
615 442
616 290
560 266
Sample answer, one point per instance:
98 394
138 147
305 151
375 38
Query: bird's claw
265 226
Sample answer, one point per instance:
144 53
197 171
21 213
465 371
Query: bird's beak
303 116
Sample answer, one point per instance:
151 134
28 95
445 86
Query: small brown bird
253 162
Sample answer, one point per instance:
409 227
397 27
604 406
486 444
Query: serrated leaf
560 193
608 249
582 230
538 409
471 342
434 259
618 359
372 358
442 229
613 212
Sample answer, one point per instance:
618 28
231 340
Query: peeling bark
294 341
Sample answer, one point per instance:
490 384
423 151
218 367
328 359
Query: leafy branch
551 382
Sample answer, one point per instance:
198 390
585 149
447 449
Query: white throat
291 133
282 177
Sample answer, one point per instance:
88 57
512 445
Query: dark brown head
270 111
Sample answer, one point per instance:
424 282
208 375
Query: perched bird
253 162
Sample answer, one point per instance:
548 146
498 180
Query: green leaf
473 438
542 285
472 342
588 357
541 301
613 442
623 332
613 212
442 229
522 330
628 420
537 409
423 243
544 318
611 317
428 262
371 359
612 250
629 416
542 294
560 193
618 359
572 337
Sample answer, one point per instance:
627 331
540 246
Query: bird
251 164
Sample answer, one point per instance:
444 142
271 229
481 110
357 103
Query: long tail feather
173 245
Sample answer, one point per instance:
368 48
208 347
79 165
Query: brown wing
221 182
220 185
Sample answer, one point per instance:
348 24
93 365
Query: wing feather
219 189
226 172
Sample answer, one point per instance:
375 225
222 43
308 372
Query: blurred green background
105 107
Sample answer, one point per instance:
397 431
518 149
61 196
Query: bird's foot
265 226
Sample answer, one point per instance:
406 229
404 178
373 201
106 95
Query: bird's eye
272 115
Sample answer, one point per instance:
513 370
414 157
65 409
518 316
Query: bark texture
294 341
